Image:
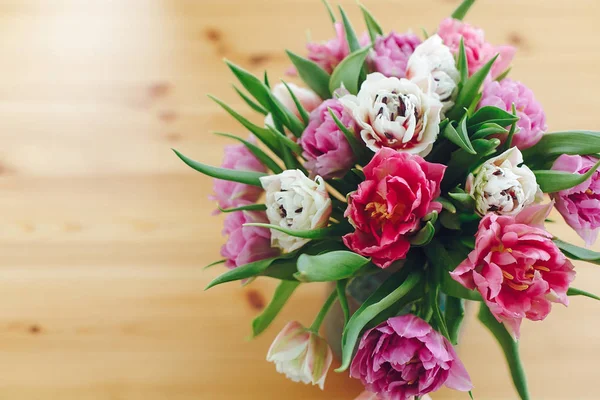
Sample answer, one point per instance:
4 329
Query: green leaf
469 90
445 260
474 103
258 153
249 207
372 25
471 395
503 75
578 292
459 137
461 63
262 94
512 131
446 205
551 181
462 162
357 149
462 9
263 134
455 289
251 103
510 348
353 43
329 10
438 318
553 145
242 272
386 296
212 264
283 292
455 313
283 138
320 233
488 129
247 177
301 110
490 114
578 253
312 74
463 200
331 266
343 299
348 72
423 236
266 80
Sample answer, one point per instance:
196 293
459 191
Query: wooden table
105 232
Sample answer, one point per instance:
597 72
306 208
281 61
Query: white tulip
395 113
295 202
501 186
432 63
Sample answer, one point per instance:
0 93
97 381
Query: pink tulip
325 146
230 194
301 355
387 208
580 205
404 357
517 268
246 244
391 53
532 119
478 51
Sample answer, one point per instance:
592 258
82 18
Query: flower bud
301 355
295 202
501 186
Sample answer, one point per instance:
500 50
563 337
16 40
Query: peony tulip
301 355
432 63
325 146
391 53
230 194
580 205
501 186
517 268
246 244
395 113
405 357
386 210
295 202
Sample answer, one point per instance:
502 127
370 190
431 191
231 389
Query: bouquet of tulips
416 157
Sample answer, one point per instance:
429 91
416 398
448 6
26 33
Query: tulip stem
316 325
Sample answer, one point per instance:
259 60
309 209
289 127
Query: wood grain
104 232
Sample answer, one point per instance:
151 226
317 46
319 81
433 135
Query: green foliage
351 38
578 292
490 114
348 72
320 233
454 315
372 25
578 253
551 181
247 177
282 294
257 151
330 266
553 145
460 136
312 74
510 348
423 236
395 291
249 207
462 9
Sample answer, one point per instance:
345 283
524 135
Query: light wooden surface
104 232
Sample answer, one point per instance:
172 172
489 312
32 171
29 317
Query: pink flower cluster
532 119
478 51
580 205
404 357
386 210
230 194
391 53
326 149
517 268
330 53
